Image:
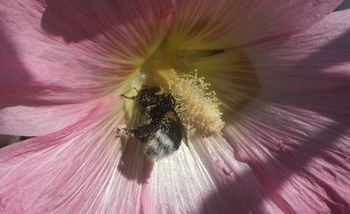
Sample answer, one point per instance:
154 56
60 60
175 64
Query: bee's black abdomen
173 130
165 141
163 132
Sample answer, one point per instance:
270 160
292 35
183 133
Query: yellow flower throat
196 105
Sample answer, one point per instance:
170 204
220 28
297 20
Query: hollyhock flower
280 69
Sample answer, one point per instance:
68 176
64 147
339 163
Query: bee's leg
131 98
142 132
120 131
137 90
147 86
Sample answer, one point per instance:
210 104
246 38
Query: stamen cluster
196 104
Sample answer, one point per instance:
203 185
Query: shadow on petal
77 20
17 86
257 190
329 95
334 52
304 156
12 69
133 165
14 76
344 5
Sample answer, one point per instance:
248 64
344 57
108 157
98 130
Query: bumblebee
163 131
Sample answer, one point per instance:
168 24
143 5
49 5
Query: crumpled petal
221 24
74 170
62 52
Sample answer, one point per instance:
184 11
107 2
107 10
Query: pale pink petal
76 170
205 178
315 61
62 52
60 47
83 168
220 24
40 120
295 135
238 188
299 155
177 184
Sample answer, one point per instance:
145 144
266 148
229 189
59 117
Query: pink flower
281 70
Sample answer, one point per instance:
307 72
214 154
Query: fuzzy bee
163 131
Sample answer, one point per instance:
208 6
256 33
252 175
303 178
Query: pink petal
295 135
220 24
300 156
107 40
177 184
83 168
315 61
237 186
76 170
40 120
63 52
205 178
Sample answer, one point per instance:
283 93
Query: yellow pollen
196 105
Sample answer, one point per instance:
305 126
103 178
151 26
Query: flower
280 69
